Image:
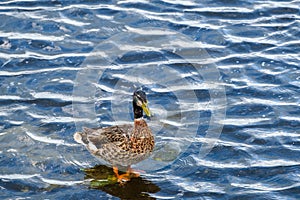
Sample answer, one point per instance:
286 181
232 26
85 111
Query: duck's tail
78 137
81 137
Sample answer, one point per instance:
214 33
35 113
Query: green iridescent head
140 104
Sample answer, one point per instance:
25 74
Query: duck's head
140 104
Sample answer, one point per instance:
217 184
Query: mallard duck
122 145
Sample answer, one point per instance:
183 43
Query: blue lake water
223 84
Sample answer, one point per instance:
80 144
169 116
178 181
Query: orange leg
130 173
123 177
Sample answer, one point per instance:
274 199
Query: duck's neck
138 111
139 123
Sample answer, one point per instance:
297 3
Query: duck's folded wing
109 135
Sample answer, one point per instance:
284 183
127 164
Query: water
51 50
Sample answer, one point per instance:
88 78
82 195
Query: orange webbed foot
123 178
133 172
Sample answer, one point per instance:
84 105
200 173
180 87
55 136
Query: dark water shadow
102 178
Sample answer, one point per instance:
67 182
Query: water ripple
255 46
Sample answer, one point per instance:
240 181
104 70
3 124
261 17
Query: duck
122 145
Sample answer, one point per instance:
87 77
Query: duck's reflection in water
102 177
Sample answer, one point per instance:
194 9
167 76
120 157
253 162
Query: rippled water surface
68 64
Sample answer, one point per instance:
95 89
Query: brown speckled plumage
121 145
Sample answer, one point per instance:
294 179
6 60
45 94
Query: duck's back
114 144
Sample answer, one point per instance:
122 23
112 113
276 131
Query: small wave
263 187
32 72
60 182
18 176
48 140
245 121
274 102
45 180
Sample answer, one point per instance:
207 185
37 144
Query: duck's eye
138 101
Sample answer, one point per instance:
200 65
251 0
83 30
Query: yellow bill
146 109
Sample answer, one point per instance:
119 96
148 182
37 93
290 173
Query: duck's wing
97 138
